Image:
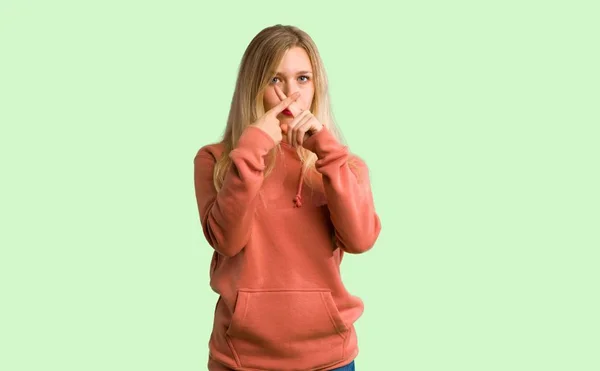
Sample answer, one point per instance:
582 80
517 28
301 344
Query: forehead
294 60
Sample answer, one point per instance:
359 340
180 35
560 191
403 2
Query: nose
290 88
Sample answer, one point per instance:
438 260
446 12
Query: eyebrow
297 73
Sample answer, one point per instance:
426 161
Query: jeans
348 367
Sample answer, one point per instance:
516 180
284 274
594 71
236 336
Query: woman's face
294 73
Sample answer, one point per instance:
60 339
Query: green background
479 121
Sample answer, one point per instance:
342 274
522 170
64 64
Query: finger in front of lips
294 108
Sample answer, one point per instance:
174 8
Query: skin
294 74
270 124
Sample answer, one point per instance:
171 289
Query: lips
287 112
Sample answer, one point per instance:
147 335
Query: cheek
270 99
307 100
307 96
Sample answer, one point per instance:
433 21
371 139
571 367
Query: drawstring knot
298 198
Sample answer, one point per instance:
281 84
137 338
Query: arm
348 192
226 216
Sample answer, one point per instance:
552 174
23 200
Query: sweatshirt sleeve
348 191
226 216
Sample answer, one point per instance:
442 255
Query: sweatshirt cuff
322 142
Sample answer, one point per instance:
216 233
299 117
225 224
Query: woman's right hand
269 123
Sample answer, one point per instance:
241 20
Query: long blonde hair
258 65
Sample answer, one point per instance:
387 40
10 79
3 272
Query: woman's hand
270 124
302 126
295 107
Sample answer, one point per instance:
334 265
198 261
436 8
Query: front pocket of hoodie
299 328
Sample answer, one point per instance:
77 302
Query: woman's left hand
302 126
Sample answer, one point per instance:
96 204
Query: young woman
281 199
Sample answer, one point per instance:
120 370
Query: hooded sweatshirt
278 244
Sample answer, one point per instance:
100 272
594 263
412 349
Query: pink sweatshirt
282 304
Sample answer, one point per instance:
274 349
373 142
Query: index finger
280 93
284 103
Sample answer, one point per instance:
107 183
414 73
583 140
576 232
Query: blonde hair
258 65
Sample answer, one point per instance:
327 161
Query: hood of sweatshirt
278 246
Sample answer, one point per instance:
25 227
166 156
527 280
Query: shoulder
209 152
359 167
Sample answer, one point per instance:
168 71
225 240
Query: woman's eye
274 79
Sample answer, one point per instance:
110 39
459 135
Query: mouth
287 112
